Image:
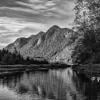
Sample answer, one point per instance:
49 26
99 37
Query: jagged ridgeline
60 45
8 58
55 45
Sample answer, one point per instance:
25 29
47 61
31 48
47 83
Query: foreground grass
48 86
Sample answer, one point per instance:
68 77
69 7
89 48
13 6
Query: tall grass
48 86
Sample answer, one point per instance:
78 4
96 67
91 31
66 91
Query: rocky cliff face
55 45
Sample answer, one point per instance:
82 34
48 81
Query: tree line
87 24
8 58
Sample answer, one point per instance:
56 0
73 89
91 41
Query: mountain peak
55 27
51 45
53 30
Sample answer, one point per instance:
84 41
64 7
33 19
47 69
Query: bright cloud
19 18
16 24
11 29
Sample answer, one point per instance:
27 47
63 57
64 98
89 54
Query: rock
56 45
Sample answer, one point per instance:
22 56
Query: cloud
59 7
3 29
32 15
11 3
26 10
14 24
13 28
35 1
37 6
2 45
50 4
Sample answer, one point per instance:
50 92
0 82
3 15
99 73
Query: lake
62 84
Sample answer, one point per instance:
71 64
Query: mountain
55 45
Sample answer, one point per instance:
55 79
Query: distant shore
89 70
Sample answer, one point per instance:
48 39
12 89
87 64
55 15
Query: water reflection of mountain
87 87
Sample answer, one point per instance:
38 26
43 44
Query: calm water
89 88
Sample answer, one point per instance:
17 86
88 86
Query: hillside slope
55 45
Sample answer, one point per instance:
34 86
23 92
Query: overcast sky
22 18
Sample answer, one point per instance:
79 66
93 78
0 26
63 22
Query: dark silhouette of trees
8 58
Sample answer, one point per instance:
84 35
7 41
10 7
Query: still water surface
8 83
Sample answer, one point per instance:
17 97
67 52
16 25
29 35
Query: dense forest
8 58
87 24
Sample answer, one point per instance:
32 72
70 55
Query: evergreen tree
9 58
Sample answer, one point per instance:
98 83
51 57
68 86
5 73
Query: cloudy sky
22 18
